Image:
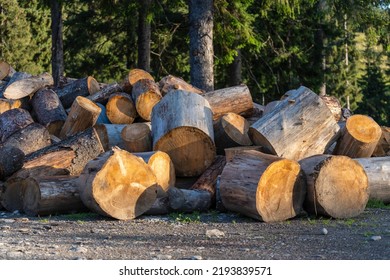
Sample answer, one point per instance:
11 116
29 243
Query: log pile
145 147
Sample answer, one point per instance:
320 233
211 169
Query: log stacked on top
61 151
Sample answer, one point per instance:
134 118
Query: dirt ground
210 235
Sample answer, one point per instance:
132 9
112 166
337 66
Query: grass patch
372 203
186 218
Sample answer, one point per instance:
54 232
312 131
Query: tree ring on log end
236 127
363 129
259 140
93 85
145 103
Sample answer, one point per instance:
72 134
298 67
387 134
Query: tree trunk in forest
322 8
201 44
235 70
144 34
57 51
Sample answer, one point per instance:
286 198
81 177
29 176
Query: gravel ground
211 235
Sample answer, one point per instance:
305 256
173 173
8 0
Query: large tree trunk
118 184
182 127
299 127
120 108
378 173
170 82
201 44
337 186
262 186
12 121
144 33
57 49
137 137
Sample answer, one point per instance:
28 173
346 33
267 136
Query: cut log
291 130
48 110
28 86
8 104
182 127
118 184
163 168
103 115
382 149
83 114
235 99
134 76
261 186
378 173
334 106
146 95
81 87
12 121
231 152
170 82
231 130
67 157
104 93
120 109
6 71
271 106
51 196
13 195
17 76
137 137
208 179
110 135
11 160
258 110
359 138
29 139
337 186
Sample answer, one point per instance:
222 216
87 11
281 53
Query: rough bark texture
57 48
144 33
262 186
201 44
182 127
118 184
146 94
291 131
137 137
236 99
337 186
48 110
104 93
271 106
231 152
120 108
28 86
334 106
378 173
382 149
170 82
11 160
134 76
12 121
110 135
359 137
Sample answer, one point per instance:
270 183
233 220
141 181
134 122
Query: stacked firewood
139 147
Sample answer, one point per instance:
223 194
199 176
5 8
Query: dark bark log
12 121
11 160
103 94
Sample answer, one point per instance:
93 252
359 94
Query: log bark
382 149
291 131
12 121
271 106
359 137
137 137
334 106
146 95
337 186
17 76
6 71
170 82
236 99
182 127
29 139
83 114
261 186
118 184
231 130
120 109
378 173
48 110
28 86
231 152
110 135
104 93
11 160
8 104
81 87
134 76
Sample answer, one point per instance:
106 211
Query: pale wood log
118 184
6 70
231 130
29 139
359 137
137 137
378 173
17 76
383 147
51 196
231 152
171 82
146 95
104 93
237 99
261 186
270 107
83 114
28 86
182 127
11 160
291 131
134 76
12 121
80 87
337 186
121 109
110 135
8 104
48 110
334 106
